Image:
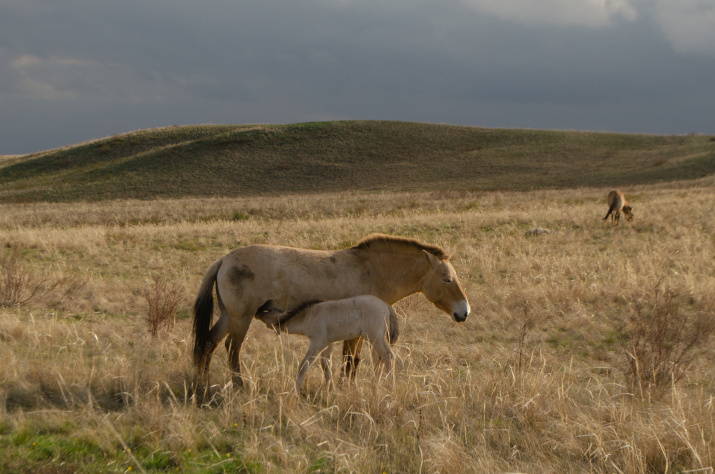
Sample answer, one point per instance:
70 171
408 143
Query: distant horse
325 322
380 265
616 204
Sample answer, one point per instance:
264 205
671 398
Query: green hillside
242 160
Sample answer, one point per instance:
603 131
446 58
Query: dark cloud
78 70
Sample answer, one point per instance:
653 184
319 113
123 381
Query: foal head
269 314
276 318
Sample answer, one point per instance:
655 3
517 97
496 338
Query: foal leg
351 357
316 347
325 364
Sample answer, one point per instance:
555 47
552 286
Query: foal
325 322
616 204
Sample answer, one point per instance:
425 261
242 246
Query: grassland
536 380
309 158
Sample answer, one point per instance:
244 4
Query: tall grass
536 380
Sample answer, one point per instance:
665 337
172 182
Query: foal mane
382 242
297 310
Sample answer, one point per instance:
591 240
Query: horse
617 203
384 266
325 322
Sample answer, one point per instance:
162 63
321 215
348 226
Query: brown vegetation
536 380
162 301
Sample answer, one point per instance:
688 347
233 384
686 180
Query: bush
663 338
17 286
162 300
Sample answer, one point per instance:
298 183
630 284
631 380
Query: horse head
441 286
628 212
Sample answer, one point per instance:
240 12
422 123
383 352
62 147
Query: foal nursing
325 322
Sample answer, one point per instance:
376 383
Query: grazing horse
325 322
616 204
388 267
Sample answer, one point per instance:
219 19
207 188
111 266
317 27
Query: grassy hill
249 160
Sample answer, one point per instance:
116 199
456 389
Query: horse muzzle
461 312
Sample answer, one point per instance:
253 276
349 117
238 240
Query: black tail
203 312
393 329
610 210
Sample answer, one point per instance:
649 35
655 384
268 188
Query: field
540 378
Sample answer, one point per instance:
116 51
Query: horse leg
313 351
325 364
351 357
217 332
236 334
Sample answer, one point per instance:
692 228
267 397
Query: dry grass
536 380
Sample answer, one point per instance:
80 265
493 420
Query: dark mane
297 310
382 241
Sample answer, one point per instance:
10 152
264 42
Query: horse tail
610 210
393 328
203 312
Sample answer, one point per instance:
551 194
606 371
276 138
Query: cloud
62 78
689 25
103 68
588 13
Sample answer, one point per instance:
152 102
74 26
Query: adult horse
384 266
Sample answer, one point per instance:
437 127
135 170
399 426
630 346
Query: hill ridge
311 157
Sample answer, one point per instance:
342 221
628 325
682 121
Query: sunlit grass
534 381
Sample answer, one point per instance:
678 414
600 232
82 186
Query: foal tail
610 210
393 330
203 312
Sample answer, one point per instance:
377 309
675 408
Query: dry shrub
19 286
162 299
410 304
16 285
525 315
664 337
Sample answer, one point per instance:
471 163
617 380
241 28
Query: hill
250 160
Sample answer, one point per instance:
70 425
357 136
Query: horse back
288 275
616 199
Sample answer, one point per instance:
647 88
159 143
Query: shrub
17 286
663 338
162 301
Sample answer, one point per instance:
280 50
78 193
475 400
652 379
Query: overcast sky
76 70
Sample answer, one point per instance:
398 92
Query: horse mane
296 311
391 242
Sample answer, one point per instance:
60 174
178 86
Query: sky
78 70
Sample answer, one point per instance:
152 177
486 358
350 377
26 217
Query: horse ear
430 258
